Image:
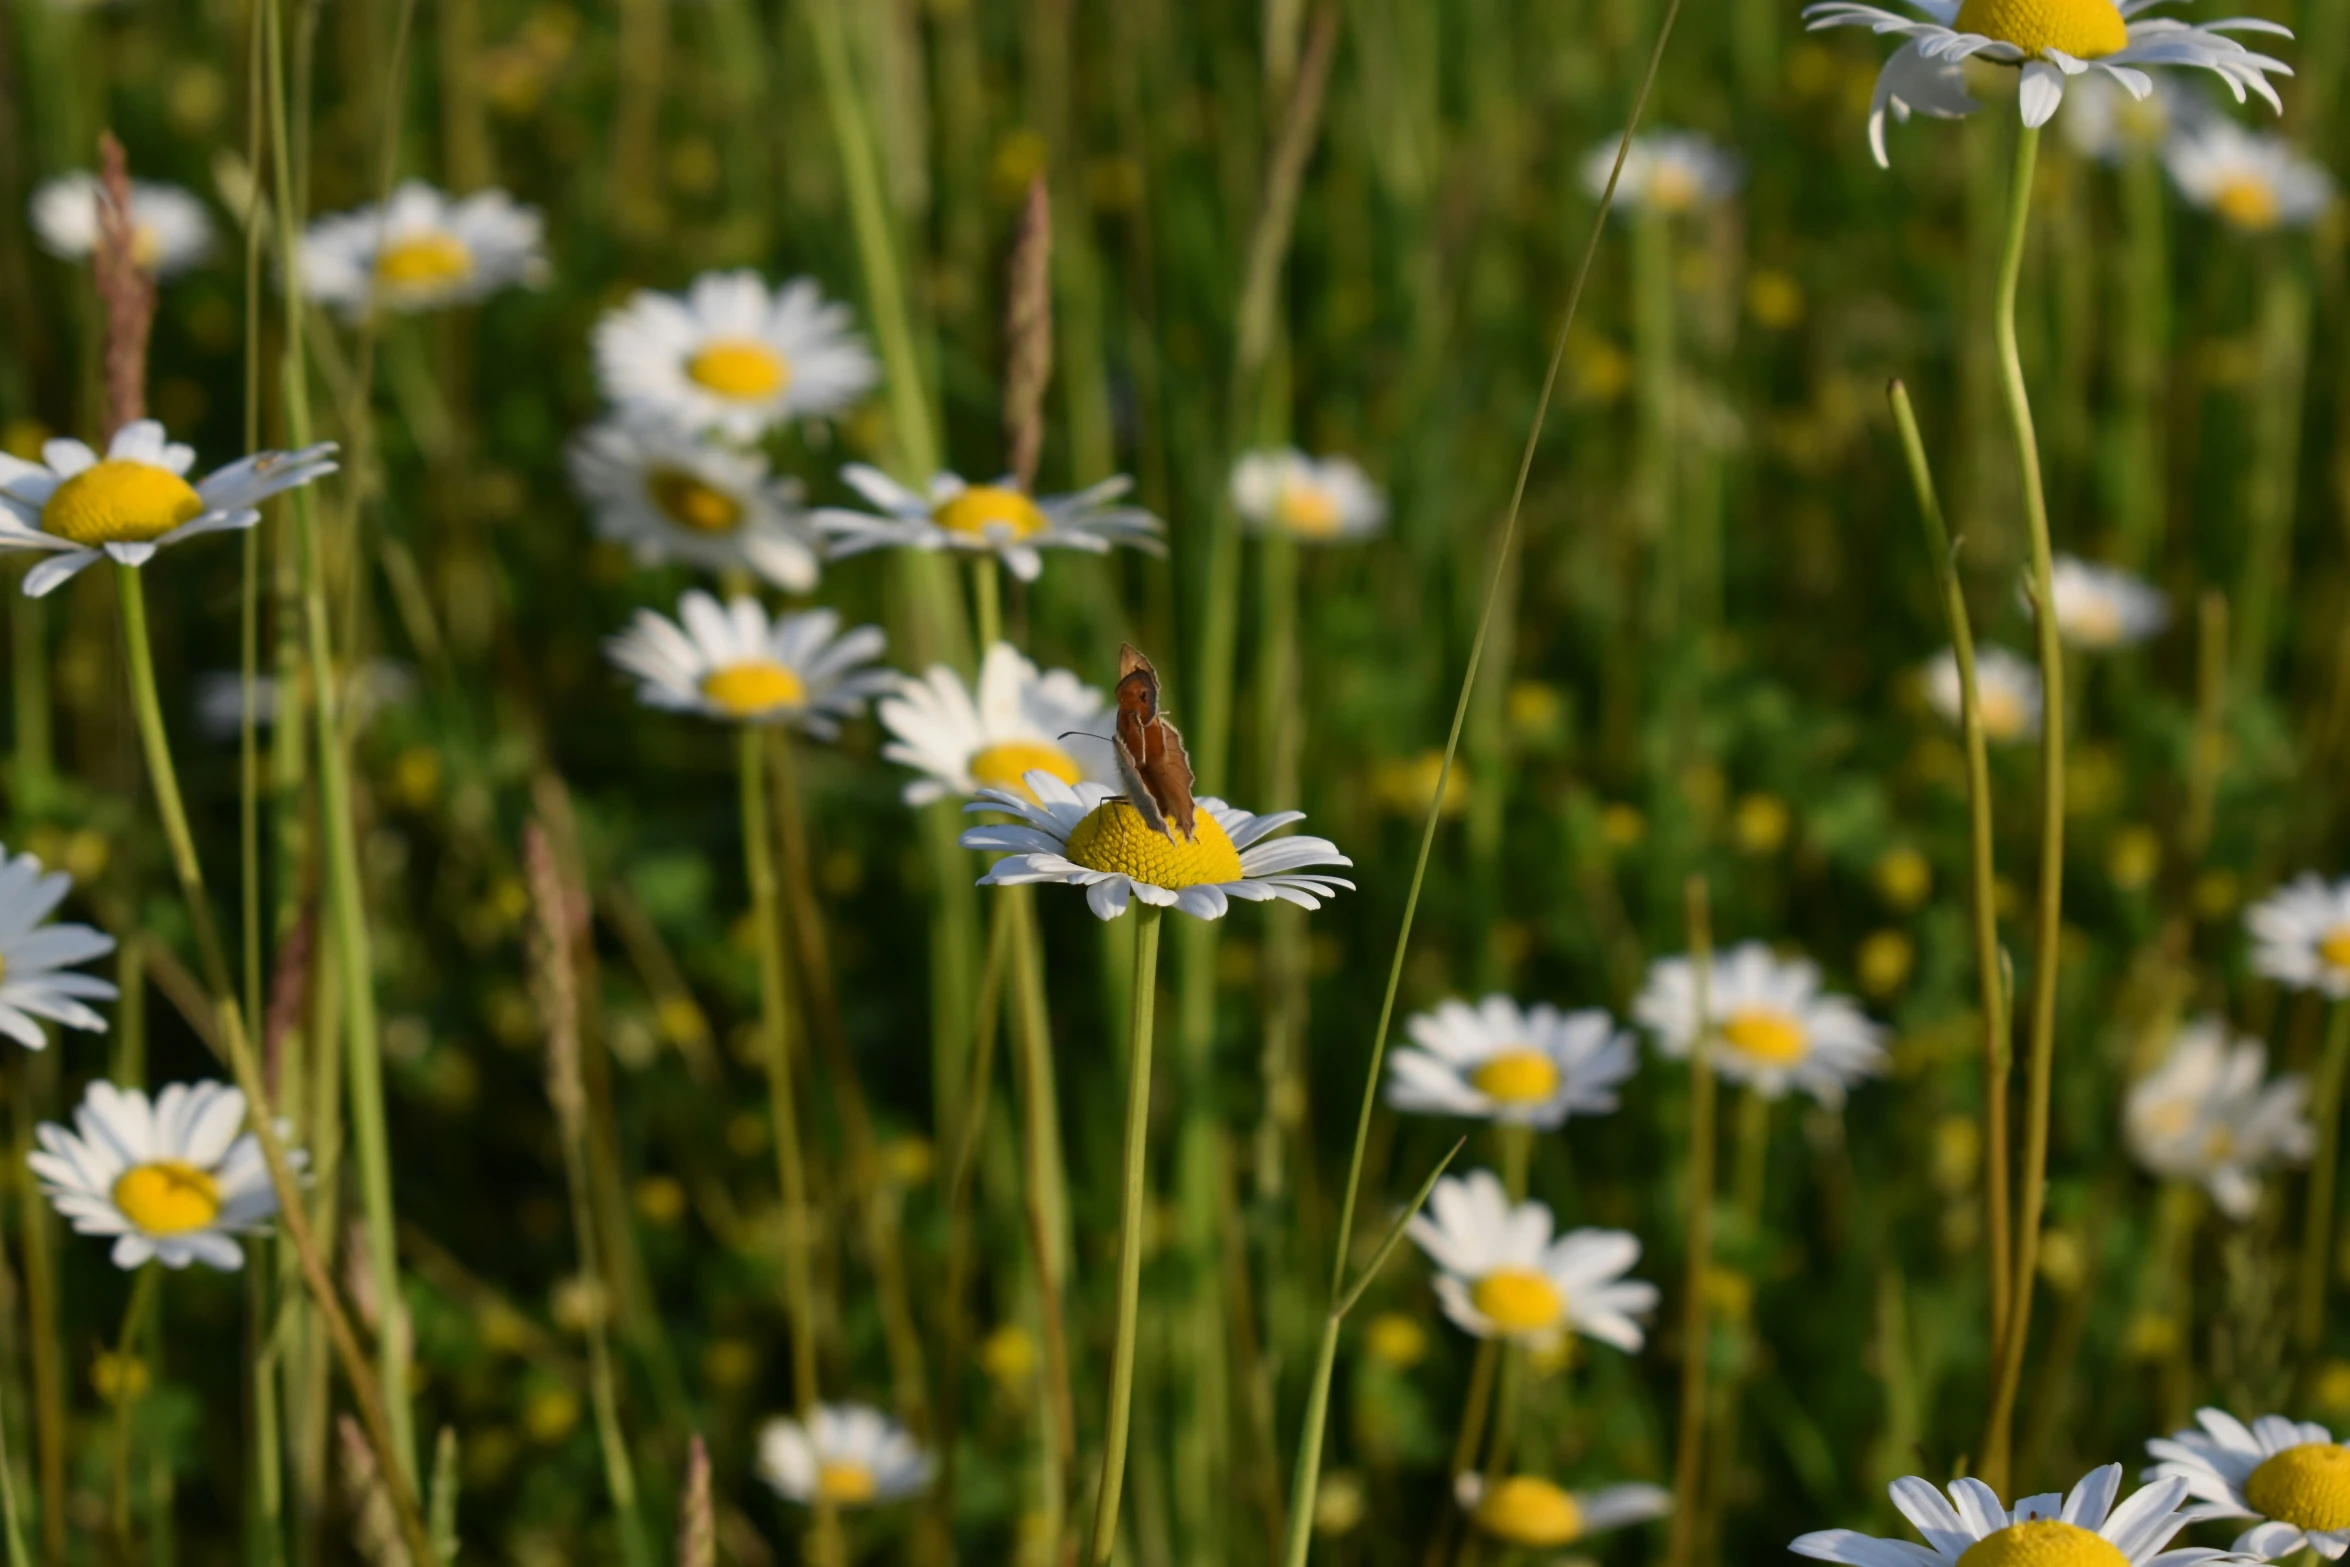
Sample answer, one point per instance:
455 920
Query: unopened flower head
170 229
1531 1511
2301 935
1772 1027
2102 607
2209 1115
174 1180
2008 688
36 975
732 355
1665 171
668 496
1497 1061
2252 183
135 500
848 1456
732 663
2082 1528
422 250
1502 1275
1315 500
2290 1476
1019 721
2052 42
998 519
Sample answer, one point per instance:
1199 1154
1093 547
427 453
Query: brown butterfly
1151 760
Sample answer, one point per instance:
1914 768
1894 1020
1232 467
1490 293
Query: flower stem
1690 1443
1130 1223
1998 1427
134 1318
1990 985
2317 1233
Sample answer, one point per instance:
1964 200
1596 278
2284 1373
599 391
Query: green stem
1984 902
2048 937
2317 1233
1130 1222
1691 1438
134 1317
9 1523
1044 1181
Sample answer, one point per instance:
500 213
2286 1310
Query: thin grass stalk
11 1526
1656 449
126 1348
2317 1231
2270 489
1044 1181
2141 349
1689 1446
1983 899
37 1093
1510 1387
1134 1185
1280 729
2048 938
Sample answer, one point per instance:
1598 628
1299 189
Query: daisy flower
422 250
364 692
732 355
2103 121
733 664
1018 723
2204 1115
1502 1276
174 1181
1665 171
996 518
667 496
1531 1067
2052 41
1317 500
2080 1529
1091 836
170 230
2008 688
34 979
2301 935
2294 1478
2099 607
2253 183
847 1456
1528 1510
1773 1026
134 500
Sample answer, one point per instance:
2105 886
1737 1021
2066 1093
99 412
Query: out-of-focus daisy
1091 836
2205 1115
170 230
1773 1027
1665 171
2079 1529
134 500
1318 500
732 355
2254 183
1020 722
35 978
2301 935
2103 121
847 1456
668 496
996 519
1534 1066
732 663
2099 607
1528 1510
373 686
175 1180
2052 41
2293 1477
2007 686
422 250
1503 1276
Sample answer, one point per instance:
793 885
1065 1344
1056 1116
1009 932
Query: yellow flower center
983 508
1528 1511
146 249
120 501
2306 1486
739 368
2095 621
2004 714
1306 509
1006 766
167 1197
760 686
1518 1300
2084 29
1771 1037
845 1482
424 261
2247 201
1517 1077
1672 187
1115 838
2335 947
2043 1542
688 502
